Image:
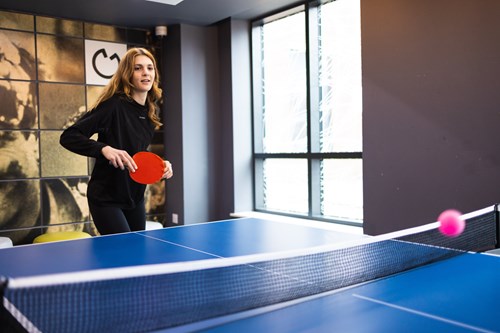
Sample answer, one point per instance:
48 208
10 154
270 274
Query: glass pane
20 202
139 37
284 85
340 77
105 32
342 189
59 26
60 104
19 155
65 201
18 107
57 161
60 59
17 21
93 93
17 55
285 185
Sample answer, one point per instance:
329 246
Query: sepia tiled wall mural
43 90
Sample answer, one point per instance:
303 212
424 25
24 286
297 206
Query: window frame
313 155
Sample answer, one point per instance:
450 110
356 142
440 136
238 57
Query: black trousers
113 220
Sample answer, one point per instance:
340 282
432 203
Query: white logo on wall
101 60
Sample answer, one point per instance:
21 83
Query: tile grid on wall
43 88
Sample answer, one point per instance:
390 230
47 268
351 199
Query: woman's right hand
119 158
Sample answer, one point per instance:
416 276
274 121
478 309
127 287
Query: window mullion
312 58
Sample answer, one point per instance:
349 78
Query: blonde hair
121 82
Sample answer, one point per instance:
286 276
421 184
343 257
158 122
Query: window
307 112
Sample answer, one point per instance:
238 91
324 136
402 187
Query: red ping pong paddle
150 168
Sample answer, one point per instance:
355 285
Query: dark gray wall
207 120
237 131
192 112
200 108
431 109
173 115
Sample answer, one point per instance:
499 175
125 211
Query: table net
153 297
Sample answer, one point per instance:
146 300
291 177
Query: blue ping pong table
460 294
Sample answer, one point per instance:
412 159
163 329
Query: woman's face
144 74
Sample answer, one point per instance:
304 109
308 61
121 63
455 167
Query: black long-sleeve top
120 123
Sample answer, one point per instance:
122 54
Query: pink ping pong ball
451 223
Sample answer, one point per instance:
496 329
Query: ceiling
148 14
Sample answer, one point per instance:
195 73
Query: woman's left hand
168 172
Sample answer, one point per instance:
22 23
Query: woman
124 117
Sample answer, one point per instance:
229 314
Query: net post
497 224
9 323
